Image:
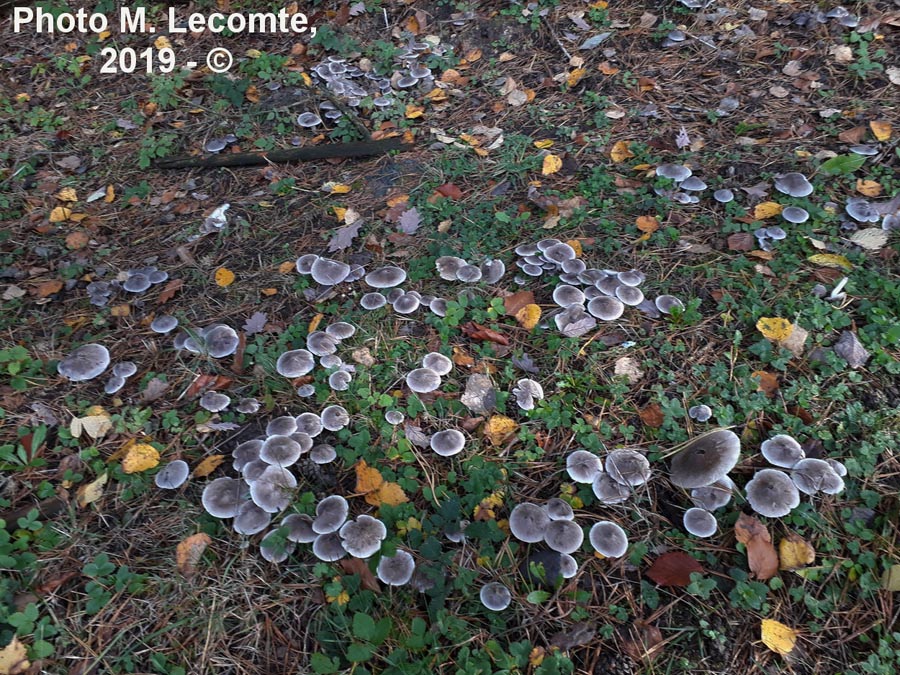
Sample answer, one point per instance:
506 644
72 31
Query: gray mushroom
124 369
528 522
299 528
394 417
559 253
137 283
340 380
341 330
630 295
279 450
771 493
782 450
448 265
252 470
666 303
215 401
305 262
568 567
469 274
386 277
281 426
794 214
397 569
222 497
309 423
406 304
559 509
329 272
492 271
495 596
274 549
163 324
308 120
113 384
527 391
220 341
84 363
172 475
606 308
701 412
675 172
331 513
700 522
627 467
793 184
335 418
248 406
862 211
438 307
362 537
272 490
448 442
246 452
816 475
563 536
712 497
706 459
423 380
321 343
437 362
323 453
329 547
631 278
723 195
372 301
295 363
583 466
215 145
693 184
609 491
566 296
608 539
250 519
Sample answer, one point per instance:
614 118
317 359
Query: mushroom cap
248 406
712 497
113 384
246 452
574 321
397 569
295 363
837 467
608 539
309 423
816 475
627 467
331 361
362 537
124 369
406 303
693 184
782 450
631 277
583 466
281 426
386 277
329 272
438 306
250 519
528 522
568 566
274 549
305 262
608 491
700 522
423 380
220 341
395 294
335 418
306 390
372 301
340 380
437 362
723 195
331 513
172 475
544 245
84 363
701 412
329 547
566 296
321 343
308 119
448 265
608 285
164 323
222 497
214 401
272 490
252 470
303 439
394 417
862 210
793 184
771 493
495 596
559 253
299 528
527 391
795 214
280 450
559 509
341 330
606 308
137 283
448 442
630 295
469 274
676 172
574 266
706 459
492 271
563 536
323 453
666 303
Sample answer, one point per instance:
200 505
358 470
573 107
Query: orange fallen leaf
761 555
120 310
869 188
48 288
766 382
515 302
189 552
529 316
767 210
208 465
620 152
77 240
170 289
224 277
881 129
652 416
648 224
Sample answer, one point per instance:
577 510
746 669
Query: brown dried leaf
762 557
359 567
476 331
645 642
674 569
652 416
189 552
169 290
48 288
767 382
513 303
741 241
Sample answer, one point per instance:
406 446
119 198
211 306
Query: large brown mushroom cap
706 459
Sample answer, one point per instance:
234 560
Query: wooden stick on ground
355 149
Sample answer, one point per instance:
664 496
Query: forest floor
558 119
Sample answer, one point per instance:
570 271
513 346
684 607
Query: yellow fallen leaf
67 195
253 53
551 165
307 80
389 493
287 267
208 465
120 310
414 111
436 95
336 188
536 657
224 277
869 188
95 424
831 260
189 551
794 552
529 316
340 212
575 245
368 478
13 659
881 129
60 214
314 322
140 457
575 76
779 638
767 210
775 328
620 152
110 194
162 42
268 291
498 428
377 491
543 144
88 494
890 580
647 224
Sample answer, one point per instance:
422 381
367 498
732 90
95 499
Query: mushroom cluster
625 469
454 268
132 280
216 341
